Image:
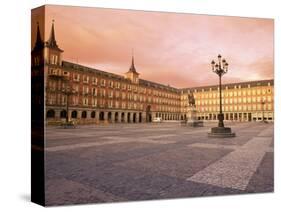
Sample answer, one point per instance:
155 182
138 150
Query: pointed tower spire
38 37
52 40
52 43
132 68
39 43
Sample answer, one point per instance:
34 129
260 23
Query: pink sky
169 48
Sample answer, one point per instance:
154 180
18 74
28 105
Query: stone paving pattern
126 162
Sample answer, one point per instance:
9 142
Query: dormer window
54 59
36 61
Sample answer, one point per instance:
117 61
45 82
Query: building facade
94 96
245 101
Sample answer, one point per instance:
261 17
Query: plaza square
124 162
149 105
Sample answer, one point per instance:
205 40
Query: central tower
132 74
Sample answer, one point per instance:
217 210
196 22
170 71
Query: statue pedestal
192 118
221 132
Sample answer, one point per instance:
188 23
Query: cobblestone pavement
125 162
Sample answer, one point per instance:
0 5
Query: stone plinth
221 132
192 118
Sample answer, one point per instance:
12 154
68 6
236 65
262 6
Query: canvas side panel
37 106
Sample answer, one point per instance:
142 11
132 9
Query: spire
132 68
52 40
52 43
39 43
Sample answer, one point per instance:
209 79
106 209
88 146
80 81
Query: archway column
88 114
153 115
143 117
137 117
113 117
69 114
57 114
97 117
125 117
119 117
131 117
79 114
105 116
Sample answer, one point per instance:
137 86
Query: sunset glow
169 48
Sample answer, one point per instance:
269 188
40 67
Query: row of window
248 92
123 86
266 99
237 108
227 88
123 95
54 86
93 102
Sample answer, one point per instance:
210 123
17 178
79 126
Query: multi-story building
245 101
91 96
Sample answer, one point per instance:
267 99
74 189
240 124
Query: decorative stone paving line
214 146
113 140
236 169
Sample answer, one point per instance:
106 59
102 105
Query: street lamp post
67 92
262 108
220 68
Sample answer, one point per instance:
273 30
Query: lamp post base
221 132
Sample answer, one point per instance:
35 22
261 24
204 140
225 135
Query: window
50 113
85 101
54 59
84 114
123 95
103 93
103 82
85 89
76 88
36 61
110 94
94 91
94 80
269 107
94 102
111 84
85 79
75 100
63 100
76 77
123 86
110 103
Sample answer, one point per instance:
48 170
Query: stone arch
63 114
93 114
148 114
122 117
109 116
84 114
101 117
74 114
116 117
129 117
50 113
134 117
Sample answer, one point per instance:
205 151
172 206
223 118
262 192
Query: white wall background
15 104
